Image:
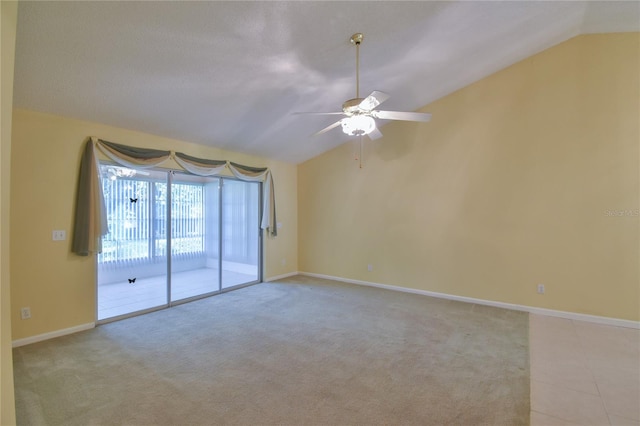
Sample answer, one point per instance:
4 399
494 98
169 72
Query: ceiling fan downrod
357 39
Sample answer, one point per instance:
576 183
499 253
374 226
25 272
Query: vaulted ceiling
230 74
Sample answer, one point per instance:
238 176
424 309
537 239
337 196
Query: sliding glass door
195 209
240 246
174 237
132 266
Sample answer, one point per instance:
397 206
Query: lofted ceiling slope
230 74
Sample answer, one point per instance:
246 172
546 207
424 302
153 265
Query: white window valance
91 218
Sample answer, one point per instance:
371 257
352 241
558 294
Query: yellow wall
57 285
515 182
9 14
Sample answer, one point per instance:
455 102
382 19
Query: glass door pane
194 236
132 265
204 231
240 232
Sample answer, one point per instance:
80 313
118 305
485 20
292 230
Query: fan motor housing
350 107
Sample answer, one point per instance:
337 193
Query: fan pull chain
358 149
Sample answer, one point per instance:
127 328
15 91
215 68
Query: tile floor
123 298
583 373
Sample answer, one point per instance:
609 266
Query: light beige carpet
301 351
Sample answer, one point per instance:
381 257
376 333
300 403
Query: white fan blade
329 127
373 100
397 115
375 134
318 113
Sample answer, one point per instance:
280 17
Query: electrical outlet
283 261
540 288
59 235
369 267
25 313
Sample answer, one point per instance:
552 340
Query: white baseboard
280 277
88 326
531 309
52 334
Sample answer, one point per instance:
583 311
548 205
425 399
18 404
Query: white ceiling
230 74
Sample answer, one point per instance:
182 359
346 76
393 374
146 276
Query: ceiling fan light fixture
358 125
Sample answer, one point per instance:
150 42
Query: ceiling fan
360 113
